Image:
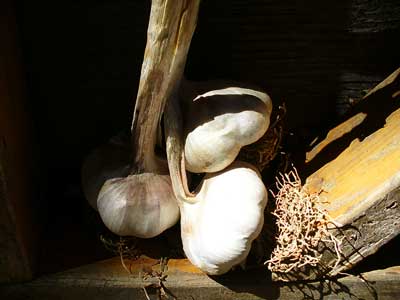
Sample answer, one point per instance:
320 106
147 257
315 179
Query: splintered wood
360 187
366 171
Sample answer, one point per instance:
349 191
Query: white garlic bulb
226 212
218 230
141 205
218 123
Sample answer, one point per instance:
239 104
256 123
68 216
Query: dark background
82 62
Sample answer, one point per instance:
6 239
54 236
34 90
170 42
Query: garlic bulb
142 203
219 122
226 212
217 230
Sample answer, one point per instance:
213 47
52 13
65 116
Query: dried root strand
125 247
302 227
160 276
262 152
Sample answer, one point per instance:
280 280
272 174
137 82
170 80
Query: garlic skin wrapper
106 162
144 205
218 230
218 123
141 205
224 215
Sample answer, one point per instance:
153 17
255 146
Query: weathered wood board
360 187
17 228
108 280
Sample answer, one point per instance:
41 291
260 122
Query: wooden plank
108 280
367 170
17 228
359 181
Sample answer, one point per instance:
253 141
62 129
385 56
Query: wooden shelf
107 279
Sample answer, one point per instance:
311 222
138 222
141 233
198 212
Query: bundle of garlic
222 217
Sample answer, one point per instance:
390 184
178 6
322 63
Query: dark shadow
321 289
291 50
205 109
256 281
387 256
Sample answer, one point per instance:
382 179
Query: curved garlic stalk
142 204
226 212
219 122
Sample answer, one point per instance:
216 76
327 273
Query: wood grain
366 171
108 280
18 230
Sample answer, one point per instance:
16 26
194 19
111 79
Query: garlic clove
141 205
219 122
218 230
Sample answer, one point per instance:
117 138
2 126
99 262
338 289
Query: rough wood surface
366 171
108 280
13 260
17 229
359 186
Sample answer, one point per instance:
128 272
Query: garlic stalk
142 204
220 121
224 215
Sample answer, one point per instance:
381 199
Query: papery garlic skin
106 162
219 122
218 230
141 205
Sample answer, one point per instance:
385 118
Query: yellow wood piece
183 265
389 80
362 174
335 134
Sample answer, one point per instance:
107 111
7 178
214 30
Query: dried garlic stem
143 203
171 27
